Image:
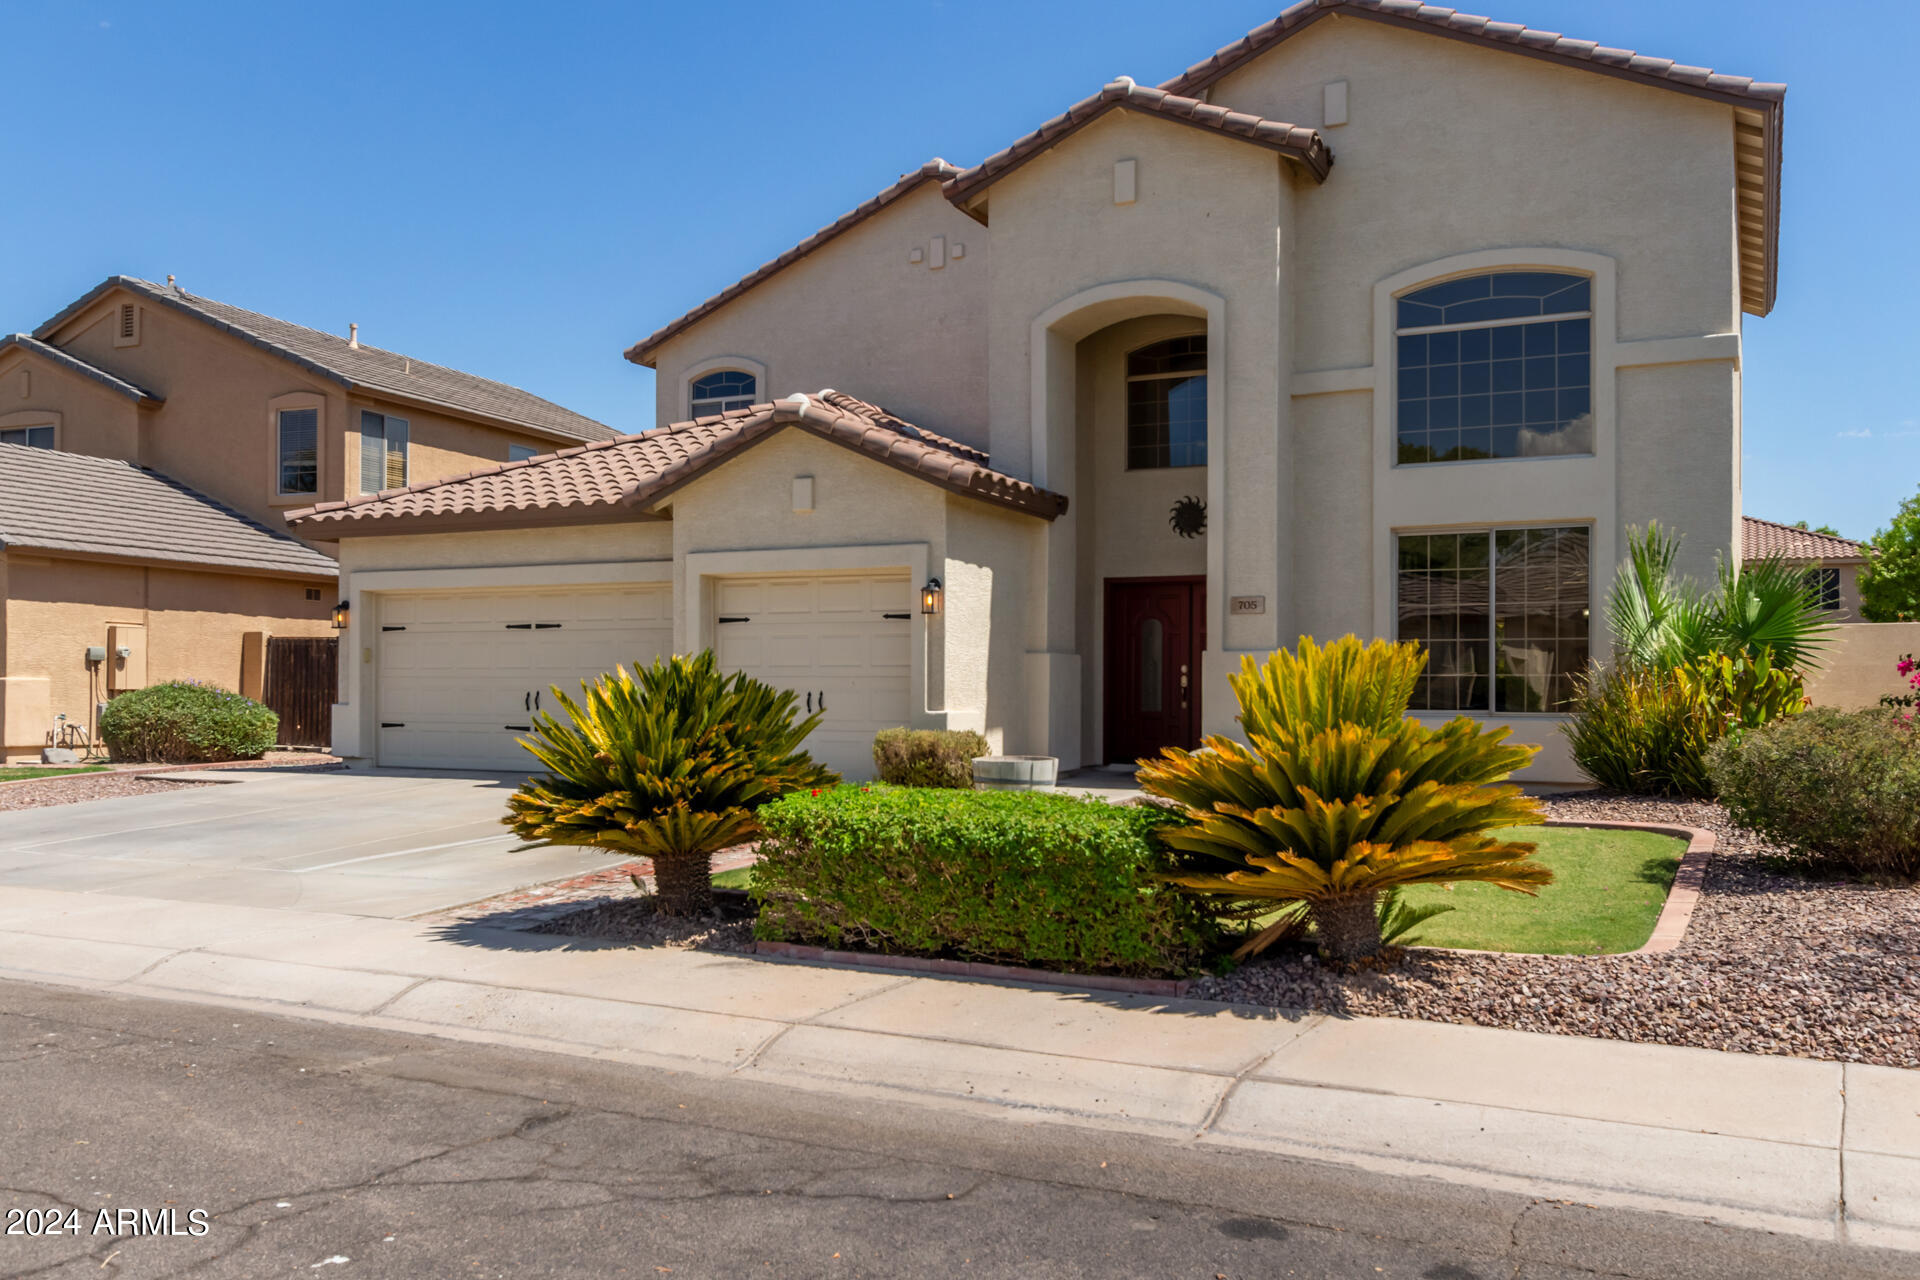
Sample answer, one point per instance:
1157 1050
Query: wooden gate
301 676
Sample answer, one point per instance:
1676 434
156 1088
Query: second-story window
720 391
32 437
1167 404
299 445
521 452
1495 366
383 452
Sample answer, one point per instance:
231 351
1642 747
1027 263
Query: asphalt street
285 1147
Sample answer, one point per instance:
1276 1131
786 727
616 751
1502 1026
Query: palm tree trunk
1348 926
684 883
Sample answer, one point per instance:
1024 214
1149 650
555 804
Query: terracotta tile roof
1760 539
1760 106
72 502
934 170
24 342
1293 141
633 473
361 367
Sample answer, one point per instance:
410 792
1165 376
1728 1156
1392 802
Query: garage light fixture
340 616
930 597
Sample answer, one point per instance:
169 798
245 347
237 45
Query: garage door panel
456 686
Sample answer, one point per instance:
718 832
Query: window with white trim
722 390
299 450
383 452
1167 404
1504 614
32 437
1498 365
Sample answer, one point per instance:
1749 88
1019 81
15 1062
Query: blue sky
524 191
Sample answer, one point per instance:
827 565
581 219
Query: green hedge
927 757
1840 789
186 722
1025 878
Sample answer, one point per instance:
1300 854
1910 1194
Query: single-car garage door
460 673
838 640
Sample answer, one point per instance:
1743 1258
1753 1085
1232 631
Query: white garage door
460 673
836 640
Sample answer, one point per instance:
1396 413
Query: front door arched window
1167 404
721 391
1498 365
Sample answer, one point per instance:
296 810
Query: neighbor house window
299 450
32 437
383 452
1495 366
1503 614
1167 404
1823 588
521 452
719 392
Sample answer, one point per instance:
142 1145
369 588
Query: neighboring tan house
1832 563
1382 319
263 415
112 577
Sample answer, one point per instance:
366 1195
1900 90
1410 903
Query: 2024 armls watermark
107 1222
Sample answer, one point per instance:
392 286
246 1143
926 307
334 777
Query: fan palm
1661 619
668 763
1337 798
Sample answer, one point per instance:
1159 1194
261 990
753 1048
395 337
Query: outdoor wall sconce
340 616
930 597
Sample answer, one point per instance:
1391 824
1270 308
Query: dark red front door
1154 637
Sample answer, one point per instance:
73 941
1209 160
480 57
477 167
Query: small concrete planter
1015 773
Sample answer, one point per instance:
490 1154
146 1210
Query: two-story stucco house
151 442
1382 319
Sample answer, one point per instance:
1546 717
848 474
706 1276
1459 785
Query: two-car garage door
460 673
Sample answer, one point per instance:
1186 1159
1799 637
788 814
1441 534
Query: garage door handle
536 699
519 626
736 619
809 704
521 728
526 702
393 724
899 616
823 699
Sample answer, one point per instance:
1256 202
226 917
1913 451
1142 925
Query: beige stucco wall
1858 666
194 623
88 417
215 432
619 540
859 317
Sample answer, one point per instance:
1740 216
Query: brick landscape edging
971 969
1688 880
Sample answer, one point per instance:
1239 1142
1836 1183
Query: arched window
1167 404
720 391
1495 366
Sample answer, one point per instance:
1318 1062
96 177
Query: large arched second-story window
722 390
1498 365
1167 404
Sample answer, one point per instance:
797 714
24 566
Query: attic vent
127 330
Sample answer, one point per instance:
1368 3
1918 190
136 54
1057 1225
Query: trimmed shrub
927 757
1010 877
186 722
1839 789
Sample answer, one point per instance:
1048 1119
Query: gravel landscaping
1772 963
728 928
125 780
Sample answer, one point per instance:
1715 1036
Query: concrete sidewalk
1817 1149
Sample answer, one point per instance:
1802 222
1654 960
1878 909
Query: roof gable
1759 107
356 365
1305 146
625 477
33 348
934 170
135 514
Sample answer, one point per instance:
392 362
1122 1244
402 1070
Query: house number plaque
1246 604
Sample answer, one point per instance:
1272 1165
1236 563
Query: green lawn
738 878
1607 891
41 771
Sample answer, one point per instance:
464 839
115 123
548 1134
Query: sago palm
1337 798
668 763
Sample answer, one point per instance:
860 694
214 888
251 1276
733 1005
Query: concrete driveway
381 843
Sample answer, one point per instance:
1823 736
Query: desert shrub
1839 789
1646 729
1011 877
669 763
927 757
187 722
1337 799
